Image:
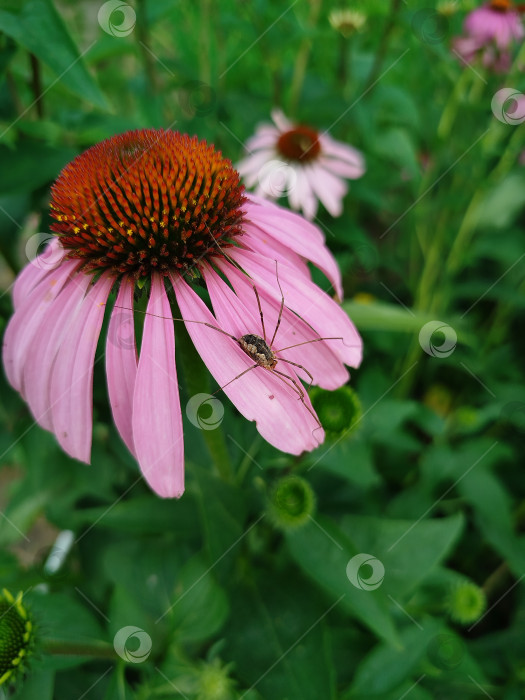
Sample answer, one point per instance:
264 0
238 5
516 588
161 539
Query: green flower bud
292 502
347 22
214 682
338 411
465 603
16 636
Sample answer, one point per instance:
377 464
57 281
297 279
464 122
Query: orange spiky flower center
300 143
501 5
147 200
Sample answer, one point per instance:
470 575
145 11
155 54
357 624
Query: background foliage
429 480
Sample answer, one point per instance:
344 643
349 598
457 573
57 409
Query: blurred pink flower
300 162
155 206
490 32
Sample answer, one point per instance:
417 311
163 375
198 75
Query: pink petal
298 238
121 362
306 299
24 323
349 160
281 122
259 394
256 240
259 210
52 329
329 189
71 388
43 265
317 357
302 197
157 417
250 167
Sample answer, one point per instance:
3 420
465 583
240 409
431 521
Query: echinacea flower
490 32
297 160
156 210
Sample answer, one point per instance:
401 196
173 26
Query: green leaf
37 26
278 640
501 205
31 165
200 604
408 550
385 667
323 551
37 686
350 459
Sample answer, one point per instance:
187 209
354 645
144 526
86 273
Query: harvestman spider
262 352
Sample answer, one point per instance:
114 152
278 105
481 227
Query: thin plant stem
36 85
301 60
143 37
383 44
68 647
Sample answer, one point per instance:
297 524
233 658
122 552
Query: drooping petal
280 120
71 388
121 362
24 323
255 239
39 268
250 167
317 357
260 395
157 418
260 210
301 195
51 332
307 300
302 244
328 188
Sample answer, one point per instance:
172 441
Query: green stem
197 379
36 85
383 44
67 647
144 41
448 116
301 60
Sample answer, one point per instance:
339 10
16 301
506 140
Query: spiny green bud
214 682
292 502
338 411
465 602
16 636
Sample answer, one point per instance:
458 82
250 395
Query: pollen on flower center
147 200
300 143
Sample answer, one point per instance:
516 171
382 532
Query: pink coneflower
155 210
297 160
490 32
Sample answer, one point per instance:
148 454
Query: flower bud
292 502
16 636
466 603
338 411
347 22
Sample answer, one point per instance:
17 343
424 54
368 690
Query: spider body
257 348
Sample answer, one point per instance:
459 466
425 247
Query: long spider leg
299 391
260 310
234 379
281 308
296 364
172 318
306 342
